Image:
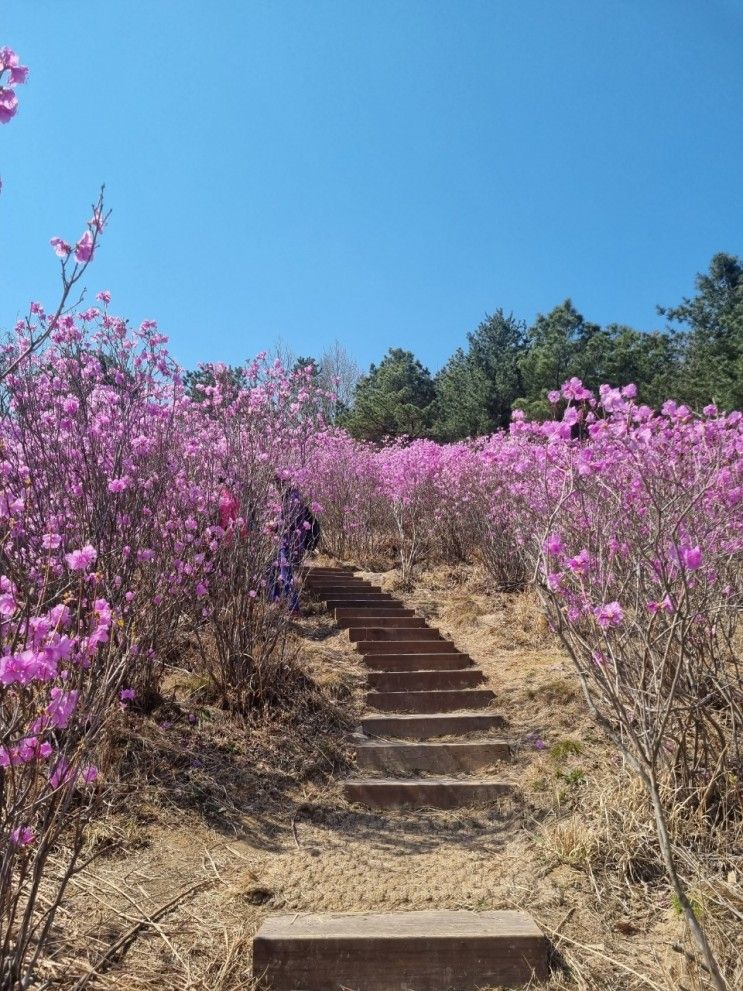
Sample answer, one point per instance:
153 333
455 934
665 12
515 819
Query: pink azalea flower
51 541
81 560
609 615
89 775
691 558
580 563
553 544
84 248
8 104
7 604
22 836
61 248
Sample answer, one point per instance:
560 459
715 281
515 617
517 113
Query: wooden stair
420 687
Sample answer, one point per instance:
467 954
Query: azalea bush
629 522
114 550
249 443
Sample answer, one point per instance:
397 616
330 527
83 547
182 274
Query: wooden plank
439 758
411 727
417 662
424 681
470 698
420 793
425 951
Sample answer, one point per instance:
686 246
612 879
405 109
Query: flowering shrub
113 546
630 523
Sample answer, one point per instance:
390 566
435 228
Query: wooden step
425 951
424 793
357 600
381 622
410 727
351 585
468 698
392 611
325 591
397 633
405 647
441 758
424 681
417 662
324 572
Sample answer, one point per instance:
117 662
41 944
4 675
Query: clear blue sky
379 172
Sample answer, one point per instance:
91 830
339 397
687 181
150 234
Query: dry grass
239 820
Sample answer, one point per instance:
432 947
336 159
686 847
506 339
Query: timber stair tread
407 726
429 951
418 662
437 792
438 700
447 757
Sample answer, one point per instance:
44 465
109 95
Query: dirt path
247 827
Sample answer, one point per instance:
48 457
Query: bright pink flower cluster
12 74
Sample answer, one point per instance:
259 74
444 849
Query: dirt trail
260 823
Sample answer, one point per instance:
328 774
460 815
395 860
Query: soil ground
223 826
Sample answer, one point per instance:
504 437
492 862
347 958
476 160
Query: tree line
507 364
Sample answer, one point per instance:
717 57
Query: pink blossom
61 707
81 560
580 563
18 74
7 604
553 544
89 775
22 836
61 774
575 390
691 558
84 248
104 296
609 615
51 541
8 104
61 248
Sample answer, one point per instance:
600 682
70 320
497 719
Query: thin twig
129 935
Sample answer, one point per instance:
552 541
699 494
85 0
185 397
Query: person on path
298 534
228 505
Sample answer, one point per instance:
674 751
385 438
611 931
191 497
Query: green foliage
556 345
712 323
506 365
565 748
395 398
476 388
231 378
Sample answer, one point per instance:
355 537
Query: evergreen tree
712 321
556 347
395 398
476 388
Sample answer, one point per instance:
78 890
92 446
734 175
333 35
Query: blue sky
381 173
